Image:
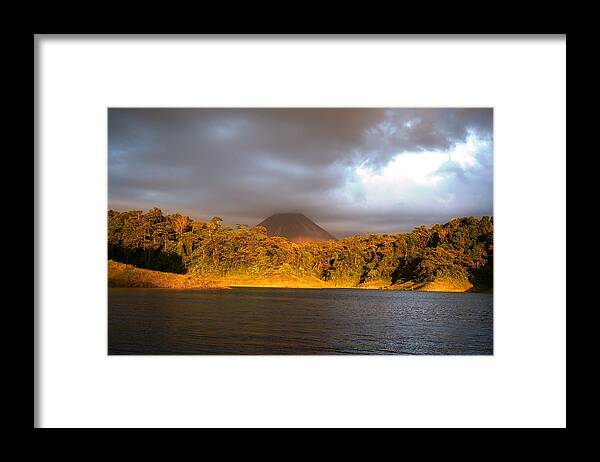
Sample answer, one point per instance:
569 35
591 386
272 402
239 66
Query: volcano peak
296 227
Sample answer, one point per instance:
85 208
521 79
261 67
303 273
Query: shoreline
125 276
230 287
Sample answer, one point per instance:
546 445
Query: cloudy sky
350 170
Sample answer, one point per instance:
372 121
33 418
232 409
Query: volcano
296 227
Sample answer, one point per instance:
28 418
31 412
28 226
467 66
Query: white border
523 384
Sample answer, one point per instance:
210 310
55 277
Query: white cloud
415 178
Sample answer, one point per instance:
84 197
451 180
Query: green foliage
459 249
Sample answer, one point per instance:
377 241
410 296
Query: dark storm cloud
245 164
423 129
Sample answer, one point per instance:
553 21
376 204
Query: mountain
296 227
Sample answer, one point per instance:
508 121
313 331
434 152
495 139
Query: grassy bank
123 275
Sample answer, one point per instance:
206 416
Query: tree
461 248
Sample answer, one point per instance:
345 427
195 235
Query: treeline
460 249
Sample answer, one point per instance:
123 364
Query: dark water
298 321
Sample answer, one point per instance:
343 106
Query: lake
258 321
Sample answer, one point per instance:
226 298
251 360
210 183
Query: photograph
300 231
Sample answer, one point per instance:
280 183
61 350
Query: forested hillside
457 255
